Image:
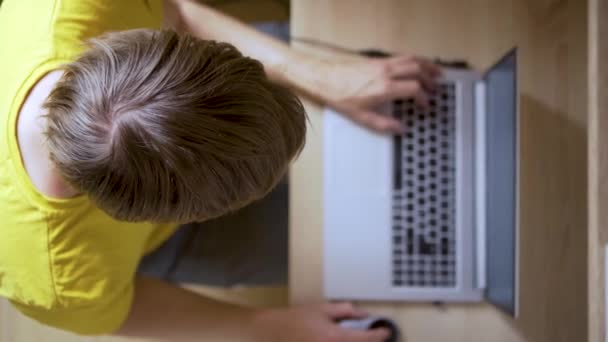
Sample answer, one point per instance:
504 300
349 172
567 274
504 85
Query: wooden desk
553 51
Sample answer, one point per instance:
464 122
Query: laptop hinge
480 182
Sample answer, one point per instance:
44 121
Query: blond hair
156 126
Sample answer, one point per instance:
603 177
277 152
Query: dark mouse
373 322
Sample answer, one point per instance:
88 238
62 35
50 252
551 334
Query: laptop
430 215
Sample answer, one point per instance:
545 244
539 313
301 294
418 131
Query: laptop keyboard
424 193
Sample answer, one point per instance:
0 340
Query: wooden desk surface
552 40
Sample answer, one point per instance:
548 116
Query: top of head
155 126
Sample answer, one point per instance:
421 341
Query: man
108 146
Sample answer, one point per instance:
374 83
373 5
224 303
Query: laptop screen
501 183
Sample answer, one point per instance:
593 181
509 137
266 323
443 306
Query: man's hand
162 311
313 324
355 88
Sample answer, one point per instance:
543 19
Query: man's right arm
161 310
164 311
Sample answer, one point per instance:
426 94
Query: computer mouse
372 322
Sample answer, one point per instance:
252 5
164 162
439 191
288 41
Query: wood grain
552 40
598 165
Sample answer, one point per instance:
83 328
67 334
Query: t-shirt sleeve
100 316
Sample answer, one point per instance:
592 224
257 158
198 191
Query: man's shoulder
32 140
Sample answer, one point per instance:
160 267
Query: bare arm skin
353 86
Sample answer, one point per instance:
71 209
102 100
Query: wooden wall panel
598 165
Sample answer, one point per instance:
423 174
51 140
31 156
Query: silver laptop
430 215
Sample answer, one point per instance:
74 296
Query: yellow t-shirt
63 262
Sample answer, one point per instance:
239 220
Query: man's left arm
352 86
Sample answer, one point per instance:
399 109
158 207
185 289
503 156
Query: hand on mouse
313 323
